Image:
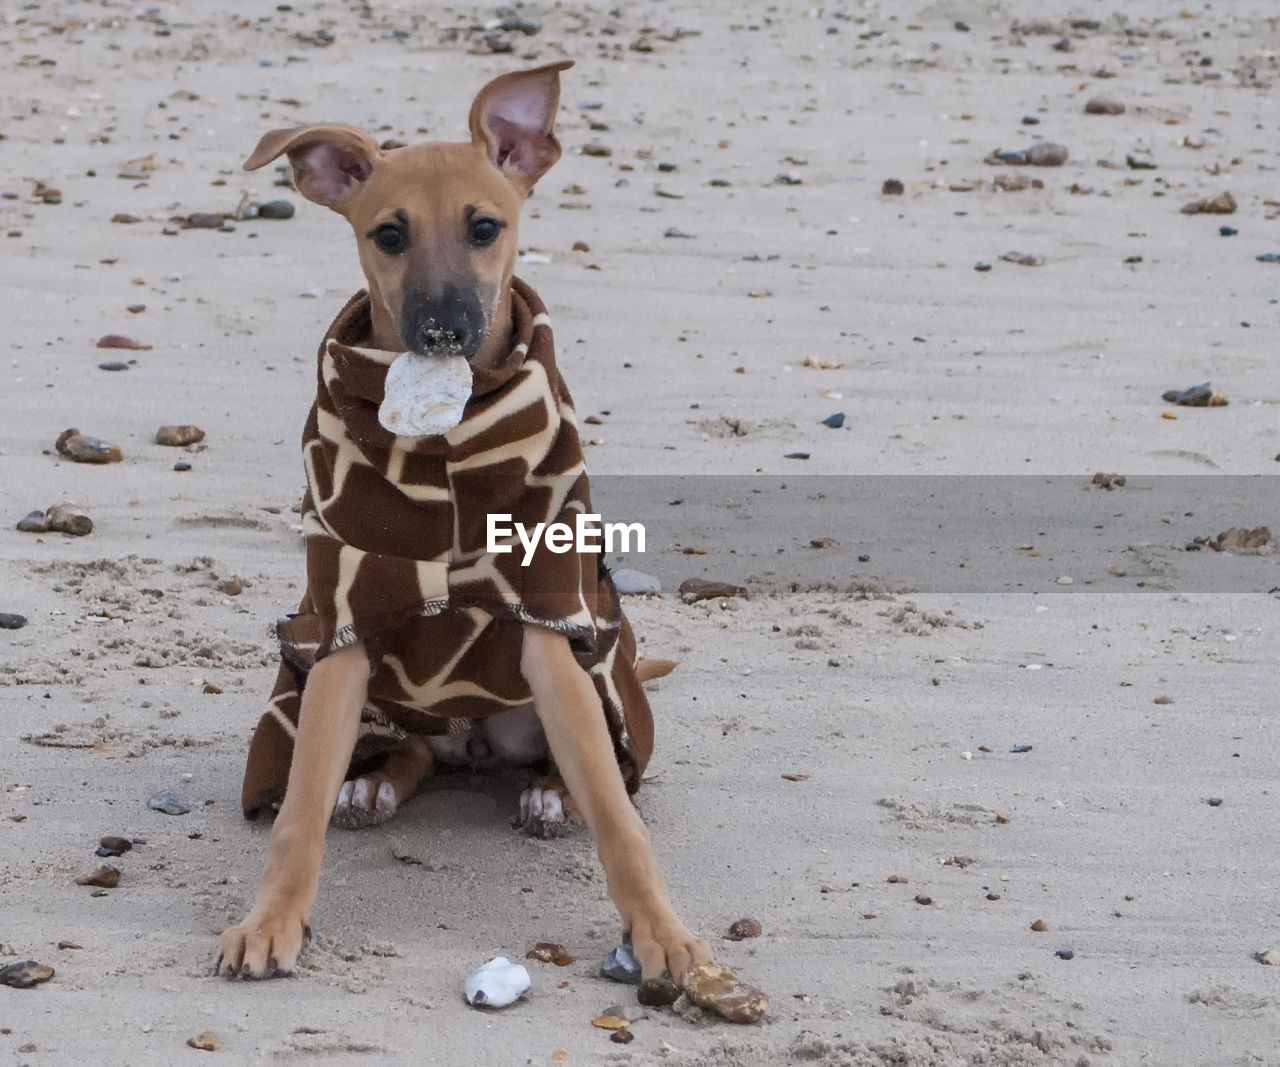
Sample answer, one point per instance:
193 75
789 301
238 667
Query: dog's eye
391 239
484 231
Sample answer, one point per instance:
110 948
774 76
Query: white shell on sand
497 984
425 395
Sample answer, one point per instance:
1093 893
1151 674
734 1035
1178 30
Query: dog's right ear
330 161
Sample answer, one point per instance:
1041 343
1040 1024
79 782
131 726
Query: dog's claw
542 812
260 948
364 802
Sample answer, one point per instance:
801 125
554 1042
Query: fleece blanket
397 530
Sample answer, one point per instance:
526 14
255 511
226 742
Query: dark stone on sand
621 966
169 801
1196 396
24 974
116 844
892 187
33 522
1065 954
658 993
114 365
10 621
834 421
276 209
1227 231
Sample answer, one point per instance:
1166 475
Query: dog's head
435 223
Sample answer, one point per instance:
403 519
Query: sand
894 688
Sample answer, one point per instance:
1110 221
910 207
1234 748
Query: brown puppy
435 226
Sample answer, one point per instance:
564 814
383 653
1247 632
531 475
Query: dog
435 227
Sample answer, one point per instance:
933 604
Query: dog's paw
364 802
665 946
261 947
545 810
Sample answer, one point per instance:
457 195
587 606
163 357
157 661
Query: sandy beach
843 753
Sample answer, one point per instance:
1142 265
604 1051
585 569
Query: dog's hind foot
546 809
373 798
364 802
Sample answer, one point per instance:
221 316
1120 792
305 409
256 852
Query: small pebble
892 187
1064 954
1227 231
657 993
33 522
1268 257
608 1021
1019 749
744 929
11 621
205 1041
68 519
630 582
1104 105
922 898
115 340
1040 926
982 268
834 421
179 436
204 220
1221 204
717 987
622 1037
276 209
118 845
85 449
113 365
1215 802
1047 154
1203 395
231 587
104 876
549 952
621 966
182 465
169 801
24 974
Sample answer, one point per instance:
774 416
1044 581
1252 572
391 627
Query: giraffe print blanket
396 535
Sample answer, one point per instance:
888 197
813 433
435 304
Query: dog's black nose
450 323
431 336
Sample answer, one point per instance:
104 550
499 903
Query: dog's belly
510 738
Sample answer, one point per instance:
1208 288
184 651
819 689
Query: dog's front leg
269 939
573 720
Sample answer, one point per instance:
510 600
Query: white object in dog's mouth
424 395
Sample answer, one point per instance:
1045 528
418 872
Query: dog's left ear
513 118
